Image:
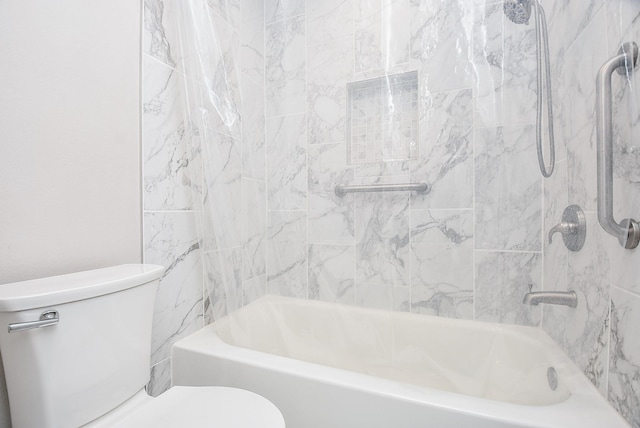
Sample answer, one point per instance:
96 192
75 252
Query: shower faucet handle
564 228
573 228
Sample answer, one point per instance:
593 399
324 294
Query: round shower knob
573 228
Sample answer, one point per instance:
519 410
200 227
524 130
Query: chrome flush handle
47 319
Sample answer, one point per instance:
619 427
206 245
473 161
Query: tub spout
565 298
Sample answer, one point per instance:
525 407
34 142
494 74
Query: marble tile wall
441 253
477 243
204 175
596 335
470 248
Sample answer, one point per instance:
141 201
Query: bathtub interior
497 362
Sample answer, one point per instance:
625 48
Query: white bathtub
333 366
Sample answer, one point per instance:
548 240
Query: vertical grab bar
627 231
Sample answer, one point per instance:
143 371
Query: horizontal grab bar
342 189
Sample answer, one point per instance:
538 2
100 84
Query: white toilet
76 351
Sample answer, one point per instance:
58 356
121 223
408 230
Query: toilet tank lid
55 290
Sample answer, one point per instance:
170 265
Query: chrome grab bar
628 231
342 189
47 319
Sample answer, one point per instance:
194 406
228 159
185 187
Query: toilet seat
220 407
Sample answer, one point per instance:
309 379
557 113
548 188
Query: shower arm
628 231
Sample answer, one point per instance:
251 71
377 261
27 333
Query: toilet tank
93 359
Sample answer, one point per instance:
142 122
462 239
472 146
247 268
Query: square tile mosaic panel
382 119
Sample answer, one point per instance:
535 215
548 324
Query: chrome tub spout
565 298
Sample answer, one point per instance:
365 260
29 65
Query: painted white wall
69 136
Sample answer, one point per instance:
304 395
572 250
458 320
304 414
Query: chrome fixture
518 12
564 298
573 228
47 319
628 230
552 378
342 189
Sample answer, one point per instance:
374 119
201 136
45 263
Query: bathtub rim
585 406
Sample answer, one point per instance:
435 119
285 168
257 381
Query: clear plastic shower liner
287 99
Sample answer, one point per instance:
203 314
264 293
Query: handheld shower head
518 11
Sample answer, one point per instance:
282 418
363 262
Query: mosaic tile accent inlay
382 119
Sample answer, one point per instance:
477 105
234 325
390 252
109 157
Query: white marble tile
368 42
508 189
587 326
626 131
484 2
331 273
254 228
160 37
252 10
229 10
171 240
160 378
287 162
223 283
222 200
502 280
277 10
285 67
253 130
366 8
381 35
252 49
579 128
287 253
442 262
386 297
382 169
568 19
624 355
552 317
504 59
382 235
169 158
212 61
622 22
330 67
395 33
446 150
366 74
441 44
329 20
556 200
253 289
222 75
331 218
625 264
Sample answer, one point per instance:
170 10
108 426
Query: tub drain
552 378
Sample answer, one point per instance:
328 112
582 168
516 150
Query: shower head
518 11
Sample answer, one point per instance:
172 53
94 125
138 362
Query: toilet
76 353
